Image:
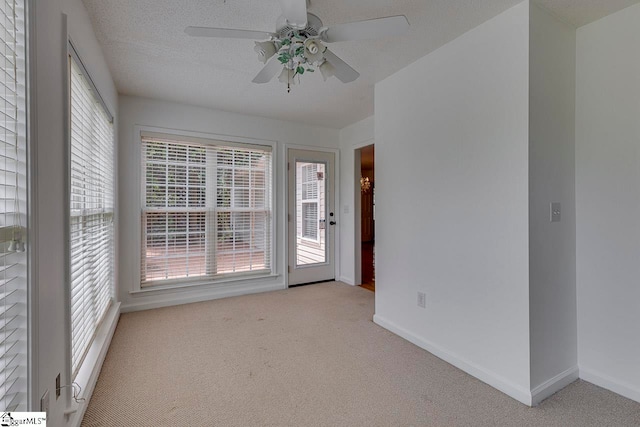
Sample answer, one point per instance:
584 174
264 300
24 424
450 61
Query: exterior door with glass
311 216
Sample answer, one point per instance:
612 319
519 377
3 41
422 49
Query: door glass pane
310 213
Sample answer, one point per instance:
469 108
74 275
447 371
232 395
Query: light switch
346 209
555 212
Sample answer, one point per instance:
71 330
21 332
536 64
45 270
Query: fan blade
227 33
268 71
343 71
370 29
295 12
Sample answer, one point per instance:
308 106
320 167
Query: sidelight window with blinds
13 208
91 212
206 209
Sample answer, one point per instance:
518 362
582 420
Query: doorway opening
367 217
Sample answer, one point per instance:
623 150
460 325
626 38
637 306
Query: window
310 220
91 212
206 209
13 208
310 223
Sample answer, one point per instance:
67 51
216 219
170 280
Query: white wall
552 286
153 113
608 201
49 147
452 202
352 137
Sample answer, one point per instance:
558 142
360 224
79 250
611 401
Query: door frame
357 209
285 204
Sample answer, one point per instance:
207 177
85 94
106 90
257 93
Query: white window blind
310 220
13 208
206 209
310 200
91 213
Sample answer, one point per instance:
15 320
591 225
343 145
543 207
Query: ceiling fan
297 45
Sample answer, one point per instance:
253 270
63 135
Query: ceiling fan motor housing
286 30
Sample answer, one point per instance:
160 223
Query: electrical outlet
44 402
555 212
422 300
57 386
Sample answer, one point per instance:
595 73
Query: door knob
332 223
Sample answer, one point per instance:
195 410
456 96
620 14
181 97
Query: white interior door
311 217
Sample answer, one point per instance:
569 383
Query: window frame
79 371
137 286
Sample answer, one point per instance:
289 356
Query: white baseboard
89 372
605 381
347 280
180 297
553 385
515 391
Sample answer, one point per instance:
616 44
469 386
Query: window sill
186 286
88 373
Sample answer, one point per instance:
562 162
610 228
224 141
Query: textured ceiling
149 54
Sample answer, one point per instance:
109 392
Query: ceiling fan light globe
312 46
313 50
286 76
327 70
265 50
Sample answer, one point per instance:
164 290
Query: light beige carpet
308 356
